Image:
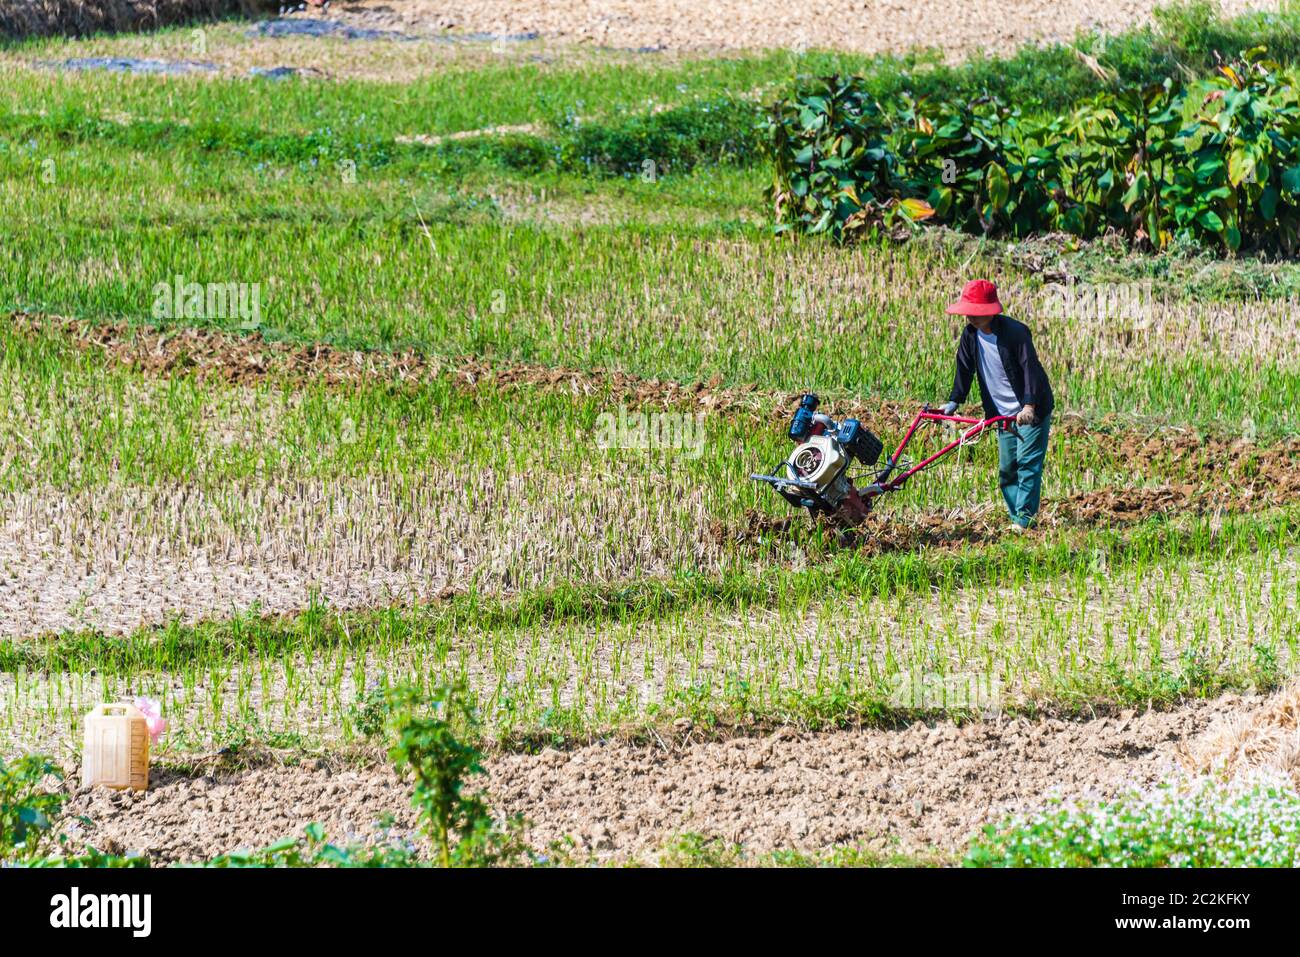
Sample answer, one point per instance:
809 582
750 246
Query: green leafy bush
834 168
1207 824
1216 163
28 811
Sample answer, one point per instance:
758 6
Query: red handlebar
977 427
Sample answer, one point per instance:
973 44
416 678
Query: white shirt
995 376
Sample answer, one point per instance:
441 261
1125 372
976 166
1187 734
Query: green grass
682 303
487 247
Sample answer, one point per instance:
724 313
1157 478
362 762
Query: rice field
264 545
1121 626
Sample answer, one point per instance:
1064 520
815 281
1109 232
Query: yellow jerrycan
116 753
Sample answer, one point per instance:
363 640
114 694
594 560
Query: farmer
1000 351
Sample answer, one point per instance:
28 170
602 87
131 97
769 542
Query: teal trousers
1020 469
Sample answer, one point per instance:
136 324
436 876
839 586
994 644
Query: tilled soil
870 26
1109 507
919 789
645 26
251 359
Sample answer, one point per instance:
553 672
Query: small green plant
370 711
691 849
696 850
28 811
1267 671
314 850
458 823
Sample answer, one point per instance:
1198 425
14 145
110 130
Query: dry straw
1266 738
24 18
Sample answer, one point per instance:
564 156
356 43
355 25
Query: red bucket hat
979 298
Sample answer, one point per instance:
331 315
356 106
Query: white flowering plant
1206 822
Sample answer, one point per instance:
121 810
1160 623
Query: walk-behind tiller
817 472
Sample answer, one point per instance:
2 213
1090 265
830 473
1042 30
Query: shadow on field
1099 508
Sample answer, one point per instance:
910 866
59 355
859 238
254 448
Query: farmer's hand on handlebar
1027 416
948 408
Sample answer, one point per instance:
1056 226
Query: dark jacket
1019 360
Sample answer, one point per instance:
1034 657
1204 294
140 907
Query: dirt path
915 789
